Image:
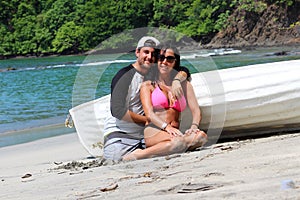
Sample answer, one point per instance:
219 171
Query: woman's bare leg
160 149
162 144
158 143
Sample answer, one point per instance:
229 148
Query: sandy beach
60 168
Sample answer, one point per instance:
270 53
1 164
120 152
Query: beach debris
98 145
287 184
26 175
228 147
145 182
147 174
95 193
74 173
126 178
218 146
150 176
111 187
172 156
27 178
91 157
58 163
76 165
190 188
214 174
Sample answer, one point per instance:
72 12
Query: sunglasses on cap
170 59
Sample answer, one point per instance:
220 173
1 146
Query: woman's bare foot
135 155
196 139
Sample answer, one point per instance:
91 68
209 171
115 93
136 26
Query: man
123 129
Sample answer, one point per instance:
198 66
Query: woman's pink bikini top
160 101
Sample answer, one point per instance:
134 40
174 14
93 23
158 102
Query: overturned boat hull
258 99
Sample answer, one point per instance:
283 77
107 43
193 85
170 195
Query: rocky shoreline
275 26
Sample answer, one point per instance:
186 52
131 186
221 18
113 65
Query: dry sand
59 168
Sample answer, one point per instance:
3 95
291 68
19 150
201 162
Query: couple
152 92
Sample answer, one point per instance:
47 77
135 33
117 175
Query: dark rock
276 25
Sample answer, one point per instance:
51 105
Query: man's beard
147 66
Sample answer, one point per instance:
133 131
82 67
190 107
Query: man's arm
119 92
133 117
182 75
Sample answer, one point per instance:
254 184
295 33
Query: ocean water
36 93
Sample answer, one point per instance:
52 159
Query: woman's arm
193 105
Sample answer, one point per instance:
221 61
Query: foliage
169 13
35 27
205 17
281 2
68 38
252 6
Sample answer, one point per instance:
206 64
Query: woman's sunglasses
170 59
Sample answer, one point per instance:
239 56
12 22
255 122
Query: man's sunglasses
170 59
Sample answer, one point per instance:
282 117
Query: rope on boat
69 122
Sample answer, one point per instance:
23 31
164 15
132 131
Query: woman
162 109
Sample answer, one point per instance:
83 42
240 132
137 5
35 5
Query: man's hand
176 89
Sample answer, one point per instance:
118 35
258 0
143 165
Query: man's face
146 57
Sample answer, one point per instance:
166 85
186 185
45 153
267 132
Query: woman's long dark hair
153 73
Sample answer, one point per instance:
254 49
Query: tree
24 23
204 18
68 38
5 41
169 13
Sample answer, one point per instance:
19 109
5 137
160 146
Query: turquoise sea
36 93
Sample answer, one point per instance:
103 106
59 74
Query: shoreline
188 48
15 137
248 169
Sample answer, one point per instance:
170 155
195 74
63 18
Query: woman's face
166 61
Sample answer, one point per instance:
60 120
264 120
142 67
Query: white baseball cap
148 41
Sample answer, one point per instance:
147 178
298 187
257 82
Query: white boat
235 102
255 99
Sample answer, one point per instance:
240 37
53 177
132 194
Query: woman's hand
192 130
173 131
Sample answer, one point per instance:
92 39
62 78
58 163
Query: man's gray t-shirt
125 95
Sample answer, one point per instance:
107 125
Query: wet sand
60 168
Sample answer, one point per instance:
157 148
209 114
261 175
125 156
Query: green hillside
44 27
